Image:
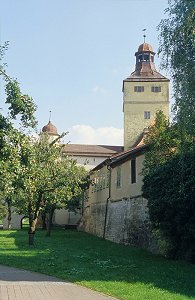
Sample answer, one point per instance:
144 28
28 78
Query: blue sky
71 56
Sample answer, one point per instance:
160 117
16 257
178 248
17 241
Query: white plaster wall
64 217
127 189
89 162
15 221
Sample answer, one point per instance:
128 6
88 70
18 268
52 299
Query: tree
21 108
47 180
177 46
169 172
172 206
3 210
162 140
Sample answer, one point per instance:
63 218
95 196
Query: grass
123 272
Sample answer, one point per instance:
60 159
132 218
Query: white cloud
85 134
99 89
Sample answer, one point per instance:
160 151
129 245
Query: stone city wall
127 222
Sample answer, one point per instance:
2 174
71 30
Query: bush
170 190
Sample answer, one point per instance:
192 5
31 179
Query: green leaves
44 171
177 46
20 105
13 143
162 140
170 193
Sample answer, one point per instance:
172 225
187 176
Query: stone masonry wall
93 219
127 222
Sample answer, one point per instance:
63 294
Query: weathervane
144 30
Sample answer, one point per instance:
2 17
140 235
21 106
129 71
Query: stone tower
145 92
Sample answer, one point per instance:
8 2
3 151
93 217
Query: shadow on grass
83 258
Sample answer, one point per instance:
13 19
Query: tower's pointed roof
50 129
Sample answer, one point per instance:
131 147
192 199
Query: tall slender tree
177 46
169 175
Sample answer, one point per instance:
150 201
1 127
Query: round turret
50 129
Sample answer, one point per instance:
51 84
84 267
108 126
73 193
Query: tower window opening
138 89
147 115
140 58
152 58
146 57
156 89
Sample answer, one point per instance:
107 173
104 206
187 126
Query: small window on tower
138 89
156 89
140 58
146 57
147 115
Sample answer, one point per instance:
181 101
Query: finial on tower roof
144 30
50 116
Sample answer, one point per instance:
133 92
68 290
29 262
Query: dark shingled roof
146 75
121 157
91 150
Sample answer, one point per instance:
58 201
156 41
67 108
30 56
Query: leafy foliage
22 108
22 105
177 45
162 140
169 166
170 193
47 180
3 210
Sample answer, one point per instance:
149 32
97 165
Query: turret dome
50 129
145 47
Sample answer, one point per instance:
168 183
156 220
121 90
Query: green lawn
117 270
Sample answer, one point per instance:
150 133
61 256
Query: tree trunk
9 217
33 216
31 231
43 216
49 220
